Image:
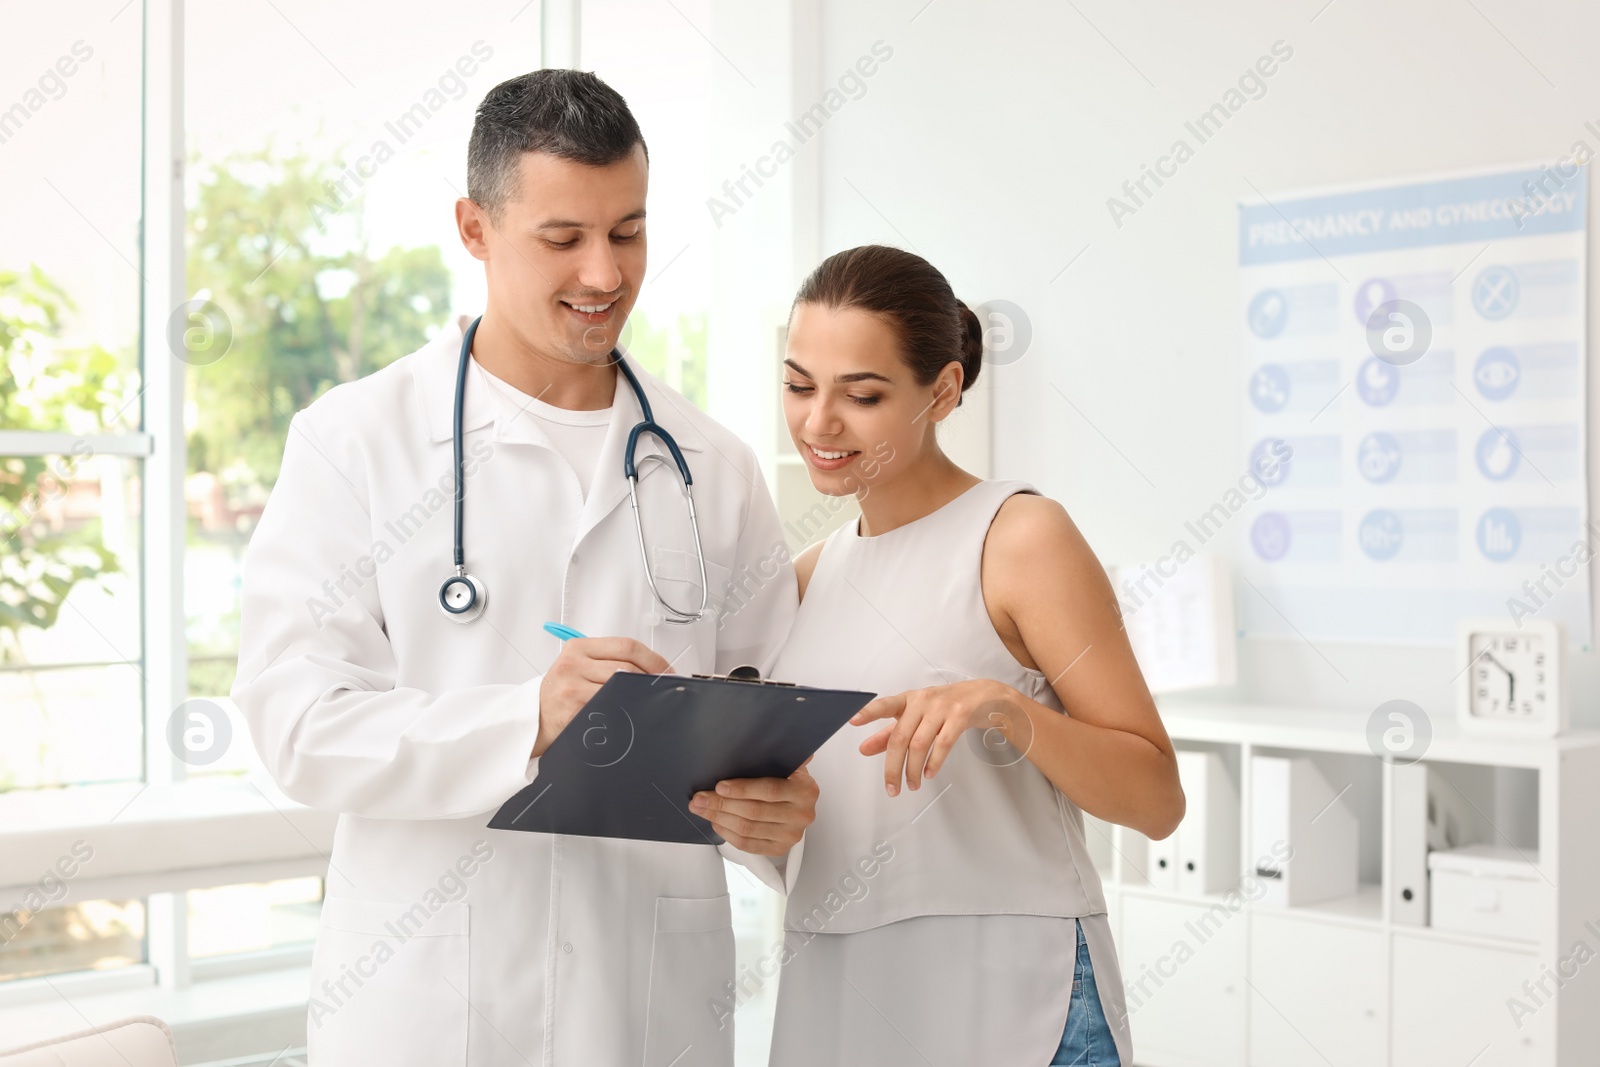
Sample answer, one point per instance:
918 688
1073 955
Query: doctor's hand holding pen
579 671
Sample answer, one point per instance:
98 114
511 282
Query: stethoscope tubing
473 590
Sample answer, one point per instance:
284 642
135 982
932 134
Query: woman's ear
946 391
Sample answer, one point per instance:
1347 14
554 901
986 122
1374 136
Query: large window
71 445
70 651
325 149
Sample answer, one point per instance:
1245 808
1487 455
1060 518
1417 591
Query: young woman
958 920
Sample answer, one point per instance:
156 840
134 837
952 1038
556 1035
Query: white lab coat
444 942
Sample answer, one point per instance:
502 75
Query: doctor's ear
471 222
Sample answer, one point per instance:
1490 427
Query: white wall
993 137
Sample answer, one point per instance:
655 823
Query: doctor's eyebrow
857 376
570 224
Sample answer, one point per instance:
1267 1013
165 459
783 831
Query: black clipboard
629 761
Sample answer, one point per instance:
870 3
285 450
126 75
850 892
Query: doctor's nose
599 270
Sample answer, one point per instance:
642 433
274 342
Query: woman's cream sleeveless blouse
989 834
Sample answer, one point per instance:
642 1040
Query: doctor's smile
593 311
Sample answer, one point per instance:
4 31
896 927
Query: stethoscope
463 596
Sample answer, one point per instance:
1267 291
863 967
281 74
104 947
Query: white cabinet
1183 972
1358 981
1456 1002
1319 993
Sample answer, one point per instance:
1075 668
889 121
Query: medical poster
1415 407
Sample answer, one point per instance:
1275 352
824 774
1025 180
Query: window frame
282 838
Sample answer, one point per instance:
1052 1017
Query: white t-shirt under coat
576 435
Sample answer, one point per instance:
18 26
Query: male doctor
443 942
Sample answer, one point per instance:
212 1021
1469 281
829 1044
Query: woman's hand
928 722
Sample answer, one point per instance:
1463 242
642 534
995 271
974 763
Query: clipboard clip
744 673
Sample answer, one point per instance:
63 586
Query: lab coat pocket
389 983
689 1021
677 575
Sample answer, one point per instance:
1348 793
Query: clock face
1512 677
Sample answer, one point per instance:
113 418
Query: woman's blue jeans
1087 1041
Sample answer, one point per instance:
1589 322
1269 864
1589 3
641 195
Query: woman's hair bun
936 329
971 345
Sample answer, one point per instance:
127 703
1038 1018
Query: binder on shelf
1208 837
1162 866
1407 880
1293 805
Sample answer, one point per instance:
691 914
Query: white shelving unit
1221 980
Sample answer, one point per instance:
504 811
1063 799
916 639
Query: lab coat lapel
435 380
609 489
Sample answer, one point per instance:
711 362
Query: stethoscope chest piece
462 597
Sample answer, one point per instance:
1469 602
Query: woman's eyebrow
844 379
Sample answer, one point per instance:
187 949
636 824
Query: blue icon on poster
1377 381
1269 534
1269 388
1378 457
1499 534
1497 373
1380 534
1268 314
1265 463
1373 294
1498 454
1495 292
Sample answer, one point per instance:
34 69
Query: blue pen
556 629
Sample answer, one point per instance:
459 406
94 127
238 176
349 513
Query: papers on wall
1179 619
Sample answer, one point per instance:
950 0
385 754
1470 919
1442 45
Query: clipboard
628 762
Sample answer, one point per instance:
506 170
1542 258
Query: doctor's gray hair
567 113
934 326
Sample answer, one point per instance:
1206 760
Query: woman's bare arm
1055 609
